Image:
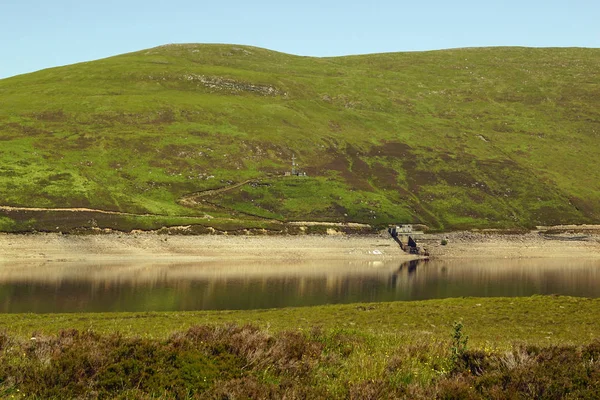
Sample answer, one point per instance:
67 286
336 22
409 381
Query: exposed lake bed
181 248
568 242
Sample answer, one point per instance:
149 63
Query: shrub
459 347
230 361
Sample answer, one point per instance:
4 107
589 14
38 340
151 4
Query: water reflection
70 287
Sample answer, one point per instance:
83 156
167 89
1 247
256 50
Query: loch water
146 286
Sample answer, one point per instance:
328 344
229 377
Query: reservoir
62 287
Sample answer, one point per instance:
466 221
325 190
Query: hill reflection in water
71 287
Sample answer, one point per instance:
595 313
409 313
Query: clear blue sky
37 34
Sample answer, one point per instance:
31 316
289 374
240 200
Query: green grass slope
487 137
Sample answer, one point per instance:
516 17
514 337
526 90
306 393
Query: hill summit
465 138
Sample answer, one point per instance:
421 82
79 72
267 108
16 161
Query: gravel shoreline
544 243
52 247
57 247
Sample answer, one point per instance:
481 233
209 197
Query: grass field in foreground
536 347
499 322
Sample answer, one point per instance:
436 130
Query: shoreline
55 247
545 243
51 247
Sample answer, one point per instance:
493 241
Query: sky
38 34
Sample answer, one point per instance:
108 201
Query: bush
459 347
230 361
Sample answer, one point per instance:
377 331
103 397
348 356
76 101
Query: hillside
466 138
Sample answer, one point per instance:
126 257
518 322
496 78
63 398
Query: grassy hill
485 137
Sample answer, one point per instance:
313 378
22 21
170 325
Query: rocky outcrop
217 83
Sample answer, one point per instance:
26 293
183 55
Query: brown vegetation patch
51 116
547 215
335 126
464 179
337 163
587 207
4 137
384 177
28 130
164 116
232 361
143 144
418 178
338 211
52 145
360 170
113 118
67 221
178 154
392 149
502 127
200 134
340 164
510 177
458 178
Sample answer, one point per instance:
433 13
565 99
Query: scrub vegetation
538 347
465 138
